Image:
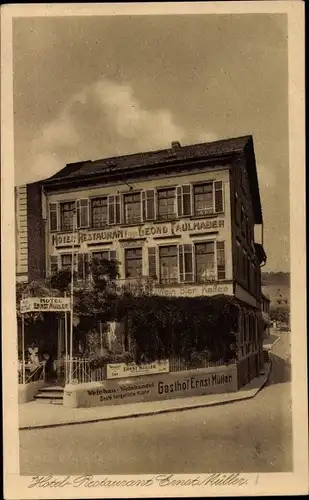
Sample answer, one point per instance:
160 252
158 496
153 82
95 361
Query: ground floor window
168 258
205 261
133 262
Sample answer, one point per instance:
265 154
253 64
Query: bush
162 327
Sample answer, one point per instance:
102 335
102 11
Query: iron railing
31 374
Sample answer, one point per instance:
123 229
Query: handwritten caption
162 480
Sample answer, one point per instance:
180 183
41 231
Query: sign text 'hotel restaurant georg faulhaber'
168 229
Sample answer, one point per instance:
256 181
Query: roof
177 154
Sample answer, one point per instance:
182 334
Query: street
247 436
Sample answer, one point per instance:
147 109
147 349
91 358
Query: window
132 208
148 203
185 255
208 198
133 262
168 257
205 261
53 216
113 209
183 200
99 213
203 199
66 261
166 204
66 216
100 255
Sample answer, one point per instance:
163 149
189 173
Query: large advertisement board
122 370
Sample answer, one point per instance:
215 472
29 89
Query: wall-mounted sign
122 370
195 291
37 304
147 230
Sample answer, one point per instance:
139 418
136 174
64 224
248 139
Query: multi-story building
184 217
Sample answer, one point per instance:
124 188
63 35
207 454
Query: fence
33 373
83 372
179 365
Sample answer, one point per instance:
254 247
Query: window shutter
218 187
152 262
184 202
179 201
220 260
117 209
82 213
53 264
148 204
112 255
111 209
80 265
185 259
53 217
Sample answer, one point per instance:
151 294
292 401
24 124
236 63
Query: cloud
104 119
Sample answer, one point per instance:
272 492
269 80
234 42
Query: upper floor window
208 198
133 262
166 203
99 212
66 261
66 216
132 208
168 258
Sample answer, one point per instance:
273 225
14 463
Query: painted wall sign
194 291
153 388
122 370
109 235
36 304
185 290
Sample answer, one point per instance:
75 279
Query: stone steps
50 395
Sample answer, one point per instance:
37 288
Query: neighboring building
30 233
183 217
266 314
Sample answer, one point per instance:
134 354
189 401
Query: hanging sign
37 304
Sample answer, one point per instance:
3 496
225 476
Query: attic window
176 145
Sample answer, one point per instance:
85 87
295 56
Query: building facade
183 219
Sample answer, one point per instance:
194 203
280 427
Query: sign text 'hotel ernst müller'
168 229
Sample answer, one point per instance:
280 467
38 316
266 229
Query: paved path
252 435
33 414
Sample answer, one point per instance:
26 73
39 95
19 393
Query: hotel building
184 217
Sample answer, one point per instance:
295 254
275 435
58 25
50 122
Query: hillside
280 278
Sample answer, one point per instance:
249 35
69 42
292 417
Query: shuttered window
152 262
205 266
114 209
185 258
53 217
220 260
104 255
99 212
168 258
148 204
132 208
82 213
183 200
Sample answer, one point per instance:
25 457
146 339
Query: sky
99 86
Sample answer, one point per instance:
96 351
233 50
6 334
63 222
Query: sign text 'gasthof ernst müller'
148 230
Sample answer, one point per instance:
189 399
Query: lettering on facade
170 229
164 386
